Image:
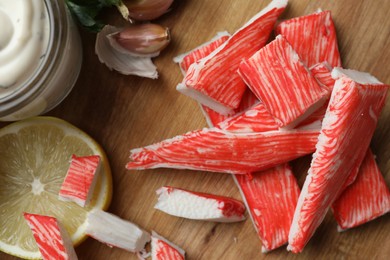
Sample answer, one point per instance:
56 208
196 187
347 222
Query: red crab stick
217 150
282 82
199 206
365 199
313 37
271 197
162 249
52 239
213 80
80 180
350 120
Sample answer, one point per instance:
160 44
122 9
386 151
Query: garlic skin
144 40
146 10
124 63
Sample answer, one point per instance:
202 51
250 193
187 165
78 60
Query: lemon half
34 158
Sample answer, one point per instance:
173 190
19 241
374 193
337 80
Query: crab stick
52 238
313 37
350 120
213 80
199 206
282 82
367 198
162 249
216 150
80 180
114 231
271 197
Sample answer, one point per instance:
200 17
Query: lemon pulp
34 158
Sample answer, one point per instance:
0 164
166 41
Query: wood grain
124 112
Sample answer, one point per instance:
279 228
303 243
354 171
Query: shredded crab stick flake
52 238
217 150
162 249
271 197
367 198
213 80
350 120
255 119
80 180
114 231
282 82
313 37
187 59
199 206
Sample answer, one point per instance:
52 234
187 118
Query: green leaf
85 11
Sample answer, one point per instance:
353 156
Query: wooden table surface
125 112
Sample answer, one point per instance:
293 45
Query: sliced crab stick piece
367 198
116 232
217 150
213 80
187 59
213 118
282 82
80 180
270 197
52 238
255 119
162 249
198 205
313 37
350 120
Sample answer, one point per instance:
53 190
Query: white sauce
24 37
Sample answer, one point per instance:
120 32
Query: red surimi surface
282 82
367 198
215 75
271 197
313 37
50 238
254 119
217 150
347 129
201 52
79 180
162 249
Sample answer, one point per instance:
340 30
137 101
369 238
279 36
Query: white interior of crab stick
204 99
114 231
357 76
185 204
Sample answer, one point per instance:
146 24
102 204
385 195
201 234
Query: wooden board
124 112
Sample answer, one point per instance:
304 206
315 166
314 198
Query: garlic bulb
141 40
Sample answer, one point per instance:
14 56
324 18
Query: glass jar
56 74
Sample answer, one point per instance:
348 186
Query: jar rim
35 84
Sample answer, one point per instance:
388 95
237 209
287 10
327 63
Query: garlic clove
141 40
124 63
145 10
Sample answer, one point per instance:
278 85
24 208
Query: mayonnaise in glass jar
40 56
